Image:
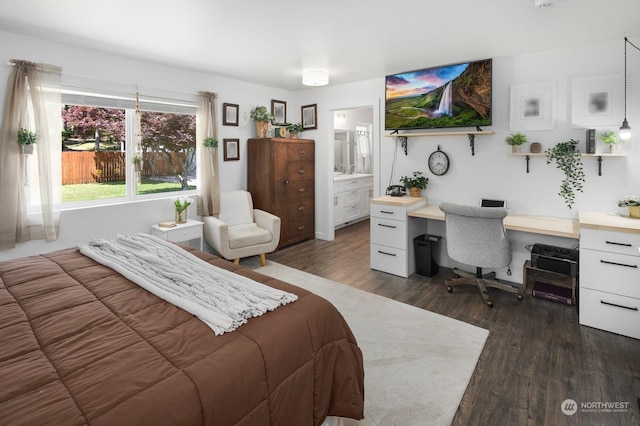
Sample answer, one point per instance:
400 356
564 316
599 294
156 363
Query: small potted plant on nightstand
415 183
516 140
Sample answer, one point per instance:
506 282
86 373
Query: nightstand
181 233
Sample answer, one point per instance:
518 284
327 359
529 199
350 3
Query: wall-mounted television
457 95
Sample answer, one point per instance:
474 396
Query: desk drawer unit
392 234
610 281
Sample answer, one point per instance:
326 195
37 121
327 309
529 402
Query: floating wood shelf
528 156
471 135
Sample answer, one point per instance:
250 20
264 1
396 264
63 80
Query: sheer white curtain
30 185
207 127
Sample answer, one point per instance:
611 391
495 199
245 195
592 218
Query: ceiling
272 42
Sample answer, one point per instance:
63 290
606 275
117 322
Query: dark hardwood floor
536 356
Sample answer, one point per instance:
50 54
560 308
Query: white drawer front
366 183
338 187
185 234
389 212
389 259
611 241
352 212
391 233
352 184
351 197
617 314
610 272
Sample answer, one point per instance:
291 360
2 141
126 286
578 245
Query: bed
82 344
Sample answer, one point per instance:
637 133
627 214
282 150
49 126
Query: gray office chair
476 236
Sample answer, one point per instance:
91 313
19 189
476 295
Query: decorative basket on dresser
610 273
281 181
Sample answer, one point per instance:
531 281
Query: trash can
423 253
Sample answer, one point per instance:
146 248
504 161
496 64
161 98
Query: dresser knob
301 208
301 171
301 227
300 189
286 181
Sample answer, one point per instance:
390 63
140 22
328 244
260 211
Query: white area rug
417 363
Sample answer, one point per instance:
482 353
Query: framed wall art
309 116
596 102
231 149
279 111
531 107
229 114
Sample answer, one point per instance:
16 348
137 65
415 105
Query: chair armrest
267 221
216 232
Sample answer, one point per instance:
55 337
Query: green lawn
97 191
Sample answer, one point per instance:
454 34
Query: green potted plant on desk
516 140
415 183
633 202
569 160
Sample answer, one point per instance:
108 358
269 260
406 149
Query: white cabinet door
338 209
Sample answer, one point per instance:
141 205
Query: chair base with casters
482 281
240 230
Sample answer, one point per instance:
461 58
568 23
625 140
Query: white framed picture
531 107
596 102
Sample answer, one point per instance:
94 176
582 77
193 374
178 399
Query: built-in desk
545 225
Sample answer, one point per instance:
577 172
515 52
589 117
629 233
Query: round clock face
282 131
438 162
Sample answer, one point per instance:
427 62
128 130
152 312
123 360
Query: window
99 159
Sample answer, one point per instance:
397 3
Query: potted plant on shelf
26 140
569 160
294 129
262 117
611 140
415 183
516 140
633 202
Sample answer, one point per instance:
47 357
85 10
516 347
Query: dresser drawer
352 212
389 212
610 312
389 259
611 241
610 272
390 233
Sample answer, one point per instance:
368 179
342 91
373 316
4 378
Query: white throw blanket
221 299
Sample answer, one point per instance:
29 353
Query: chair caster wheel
489 303
449 289
519 296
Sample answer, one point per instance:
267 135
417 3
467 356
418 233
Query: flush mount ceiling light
544 3
315 78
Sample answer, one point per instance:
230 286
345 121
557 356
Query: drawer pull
619 306
301 151
301 227
301 171
385 212
388 254
618 244
286 181
302 207
387 226
618 264
300 189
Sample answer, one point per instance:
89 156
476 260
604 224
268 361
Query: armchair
240 230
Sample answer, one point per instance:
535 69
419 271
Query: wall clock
438 162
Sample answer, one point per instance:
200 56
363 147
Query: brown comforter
81 344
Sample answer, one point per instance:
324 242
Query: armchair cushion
248 235
236 208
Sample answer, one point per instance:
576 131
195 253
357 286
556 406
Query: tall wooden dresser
281 181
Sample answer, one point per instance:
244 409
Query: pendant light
625 130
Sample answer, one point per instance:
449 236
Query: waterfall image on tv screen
456 95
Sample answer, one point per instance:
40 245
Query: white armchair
240 230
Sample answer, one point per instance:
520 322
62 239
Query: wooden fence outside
101 167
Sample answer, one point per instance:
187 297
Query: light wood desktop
545 225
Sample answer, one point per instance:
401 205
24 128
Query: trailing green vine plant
568 159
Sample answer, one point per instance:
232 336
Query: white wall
490 173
